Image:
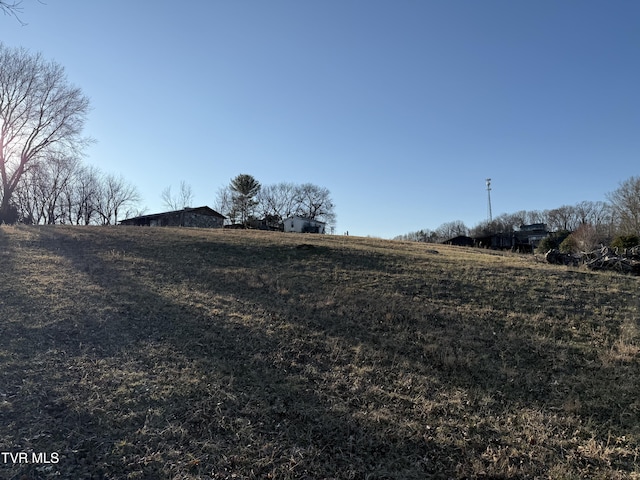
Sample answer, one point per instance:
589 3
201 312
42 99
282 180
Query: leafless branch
12 9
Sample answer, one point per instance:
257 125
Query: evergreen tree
244 188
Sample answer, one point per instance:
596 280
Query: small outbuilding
303 225
202 217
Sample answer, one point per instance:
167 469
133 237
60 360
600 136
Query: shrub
626 241
569 245
552 241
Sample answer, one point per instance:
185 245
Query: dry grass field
148 353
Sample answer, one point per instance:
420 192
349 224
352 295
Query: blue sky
400 108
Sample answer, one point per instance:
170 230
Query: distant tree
115 195
315 203
284 200
450 230
62 190
80 197
584 212
589 237
183 199
424 235
482 229
625 204
503 223
244 188
498 225
534 216
224 204
602 219
562 218
516 220
40 193
41 116
277 202
584 239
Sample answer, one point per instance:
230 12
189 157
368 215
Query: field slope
193 354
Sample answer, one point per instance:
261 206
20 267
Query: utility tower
489 199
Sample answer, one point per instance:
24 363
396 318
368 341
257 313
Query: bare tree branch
12 9
183 200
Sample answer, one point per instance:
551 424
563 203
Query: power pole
489 199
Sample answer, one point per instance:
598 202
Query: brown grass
194 354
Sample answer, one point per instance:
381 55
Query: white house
303 225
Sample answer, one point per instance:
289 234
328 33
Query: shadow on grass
207 357
90 387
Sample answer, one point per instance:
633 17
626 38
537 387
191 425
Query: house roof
200 210
460 238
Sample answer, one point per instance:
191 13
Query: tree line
590 223
65 191
42 179
245 201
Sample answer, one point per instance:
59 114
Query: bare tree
277 202
315 202
80 197
534 216
562 218
184 198
115 195
62 190
450 230
40 193
284 200
225 205
586 237
625 203
602 219
503 223
425 235
41 116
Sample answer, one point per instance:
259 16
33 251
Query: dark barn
202 217
460 241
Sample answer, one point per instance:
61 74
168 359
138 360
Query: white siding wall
298 224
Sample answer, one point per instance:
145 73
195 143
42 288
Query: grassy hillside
189 354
